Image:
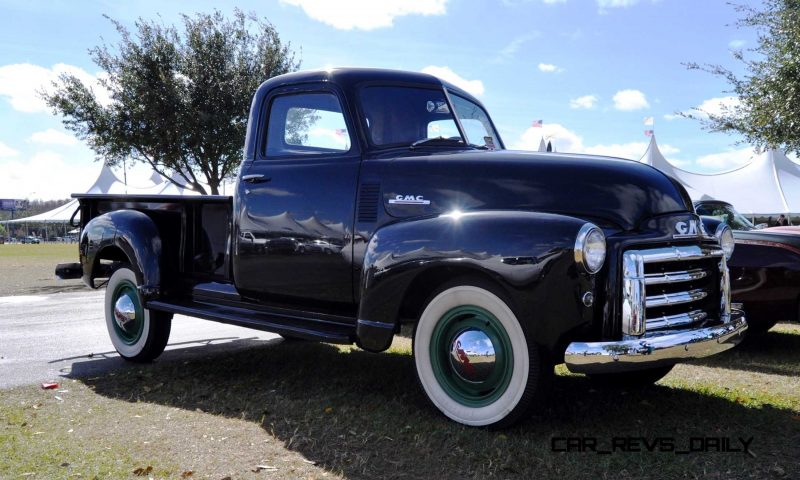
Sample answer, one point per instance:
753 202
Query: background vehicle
318 246
505 262
765 267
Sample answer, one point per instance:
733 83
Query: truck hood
614 192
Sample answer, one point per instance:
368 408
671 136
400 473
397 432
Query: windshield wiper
446 141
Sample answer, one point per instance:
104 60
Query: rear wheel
473 360
138 334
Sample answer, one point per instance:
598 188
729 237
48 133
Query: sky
591 70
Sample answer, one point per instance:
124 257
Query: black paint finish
365 235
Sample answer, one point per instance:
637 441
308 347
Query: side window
476 122
306 124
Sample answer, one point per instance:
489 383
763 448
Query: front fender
529 255
132 232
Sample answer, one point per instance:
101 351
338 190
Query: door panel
294 225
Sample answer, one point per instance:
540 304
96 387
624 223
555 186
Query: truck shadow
773 352
363 416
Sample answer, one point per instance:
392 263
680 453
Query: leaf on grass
268 468
328 410
141 472
65 464
187 474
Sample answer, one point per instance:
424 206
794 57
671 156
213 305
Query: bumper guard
655 350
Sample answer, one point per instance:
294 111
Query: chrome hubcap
472 356
125 314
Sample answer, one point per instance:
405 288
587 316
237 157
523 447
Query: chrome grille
673 287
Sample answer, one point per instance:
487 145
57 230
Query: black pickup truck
371 198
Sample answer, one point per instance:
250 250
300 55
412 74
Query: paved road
46 337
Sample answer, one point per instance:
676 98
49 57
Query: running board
282 323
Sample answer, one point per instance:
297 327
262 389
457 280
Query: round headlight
590 248
725 236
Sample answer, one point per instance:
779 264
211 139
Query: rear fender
530 256
135 235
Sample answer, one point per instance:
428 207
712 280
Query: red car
765 267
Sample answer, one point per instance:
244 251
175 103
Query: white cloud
508 52
6 151
716 106
45 176
549 68
736 44
563 139
516 3
52 136
474 87
727 160
567 141
603 4
630 150
366 14
586 101
21 83
628 100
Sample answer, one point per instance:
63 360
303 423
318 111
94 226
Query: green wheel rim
133 332
455 322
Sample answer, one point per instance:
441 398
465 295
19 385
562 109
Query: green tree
767 113
179 100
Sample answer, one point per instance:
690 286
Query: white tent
768 185
106 182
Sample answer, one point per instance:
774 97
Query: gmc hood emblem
687 229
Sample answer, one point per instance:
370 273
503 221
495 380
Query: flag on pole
537 124
649 121
648 133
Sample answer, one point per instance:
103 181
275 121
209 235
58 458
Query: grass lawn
304 410
310 410
30 268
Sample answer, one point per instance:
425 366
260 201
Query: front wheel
473 360
138 334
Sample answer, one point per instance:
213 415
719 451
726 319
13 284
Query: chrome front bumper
655 350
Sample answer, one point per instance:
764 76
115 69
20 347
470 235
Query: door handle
255 178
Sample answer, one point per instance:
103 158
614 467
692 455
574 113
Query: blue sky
592 70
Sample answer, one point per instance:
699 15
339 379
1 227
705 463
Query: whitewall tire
472 358
138 334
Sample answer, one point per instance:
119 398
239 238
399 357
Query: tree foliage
767 113
179 100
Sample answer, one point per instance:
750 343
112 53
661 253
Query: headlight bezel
589 235
724 235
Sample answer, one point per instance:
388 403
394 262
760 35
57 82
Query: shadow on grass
364 416
773 352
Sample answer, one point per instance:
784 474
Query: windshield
414 115
726 214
